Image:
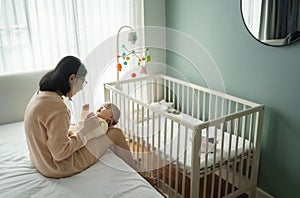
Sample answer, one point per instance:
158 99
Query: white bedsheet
110 177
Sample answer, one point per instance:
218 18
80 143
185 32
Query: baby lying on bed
108 115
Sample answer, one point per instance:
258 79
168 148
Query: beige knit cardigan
51 150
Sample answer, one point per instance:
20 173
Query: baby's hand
86 107
85 111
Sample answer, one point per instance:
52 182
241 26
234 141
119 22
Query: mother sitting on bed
47 122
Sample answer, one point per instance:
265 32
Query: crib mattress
173 149
109 177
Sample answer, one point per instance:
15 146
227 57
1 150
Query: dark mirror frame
291 37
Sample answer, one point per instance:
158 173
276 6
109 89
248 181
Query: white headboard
15 92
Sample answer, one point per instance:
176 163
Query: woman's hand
89 124
92 128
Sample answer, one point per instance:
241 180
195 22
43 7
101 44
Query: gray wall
251 70
16 91
155 17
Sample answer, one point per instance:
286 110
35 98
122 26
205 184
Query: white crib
197 142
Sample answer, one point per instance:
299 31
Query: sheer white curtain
101 62
35 34
251 10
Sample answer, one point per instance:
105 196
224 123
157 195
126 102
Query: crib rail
117 95
175 148
170 83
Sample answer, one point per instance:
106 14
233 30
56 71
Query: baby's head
109 112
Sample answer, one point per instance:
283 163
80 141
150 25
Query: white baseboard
262 194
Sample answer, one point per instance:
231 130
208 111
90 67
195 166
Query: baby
108 115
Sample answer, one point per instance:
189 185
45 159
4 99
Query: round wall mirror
272 22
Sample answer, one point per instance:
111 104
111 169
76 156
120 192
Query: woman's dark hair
57 80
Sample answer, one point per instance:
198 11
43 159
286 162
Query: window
35 34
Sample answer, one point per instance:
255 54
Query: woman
47 121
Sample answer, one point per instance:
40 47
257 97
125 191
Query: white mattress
110 177
178 149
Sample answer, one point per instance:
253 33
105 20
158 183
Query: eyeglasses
84 82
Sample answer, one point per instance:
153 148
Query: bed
109 177
197 142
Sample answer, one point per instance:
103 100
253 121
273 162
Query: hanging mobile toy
132 38
129 55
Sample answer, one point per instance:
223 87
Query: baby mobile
142 57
